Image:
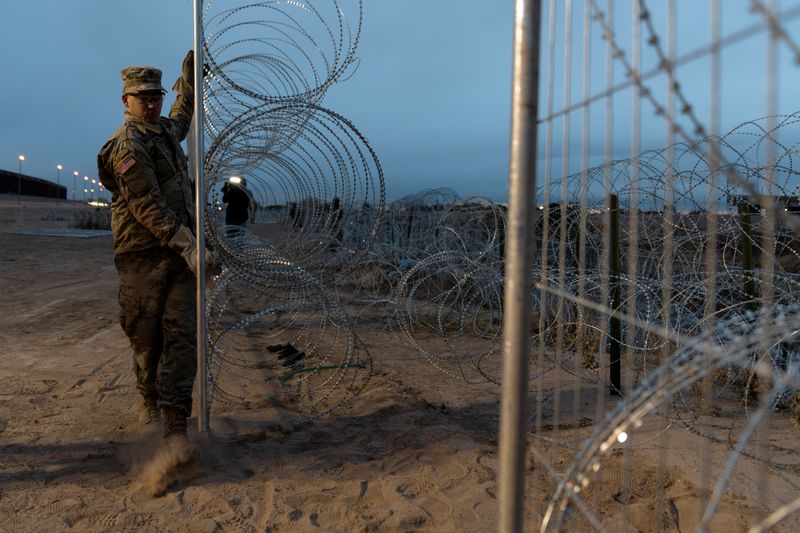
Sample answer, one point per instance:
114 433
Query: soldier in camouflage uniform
152 220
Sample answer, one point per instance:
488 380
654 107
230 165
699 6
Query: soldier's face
144 105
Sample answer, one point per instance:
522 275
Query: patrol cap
140 79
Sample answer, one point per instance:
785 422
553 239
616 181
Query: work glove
185 244
187 70
184 85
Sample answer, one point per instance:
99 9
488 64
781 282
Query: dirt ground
415 451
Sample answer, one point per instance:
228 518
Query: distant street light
58 182
85 186
74 186
93 184
19 179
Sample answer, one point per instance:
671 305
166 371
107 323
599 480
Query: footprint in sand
59 506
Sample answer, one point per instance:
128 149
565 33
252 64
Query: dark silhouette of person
238 199
336 223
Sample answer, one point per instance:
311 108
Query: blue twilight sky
432 92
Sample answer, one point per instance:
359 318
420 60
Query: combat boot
174 423
148 412
174 458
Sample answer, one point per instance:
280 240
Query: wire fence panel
666 367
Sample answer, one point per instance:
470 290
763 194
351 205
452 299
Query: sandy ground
416 451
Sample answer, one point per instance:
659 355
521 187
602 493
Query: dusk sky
431 94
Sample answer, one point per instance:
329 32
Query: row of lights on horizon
90 185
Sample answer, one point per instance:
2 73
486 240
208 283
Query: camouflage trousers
157 312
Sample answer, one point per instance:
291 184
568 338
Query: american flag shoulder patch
124 165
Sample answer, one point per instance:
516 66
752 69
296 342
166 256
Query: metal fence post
520 250
615 326
410 224
746 212
200 205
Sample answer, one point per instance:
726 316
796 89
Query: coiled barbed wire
427 241
734 341
319 191
278 51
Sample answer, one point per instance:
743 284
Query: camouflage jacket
144 168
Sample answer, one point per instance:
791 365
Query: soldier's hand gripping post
185 244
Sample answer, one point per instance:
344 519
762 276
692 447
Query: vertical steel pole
615 325
410 223
746 212
19 181
520 249
199 208
58 184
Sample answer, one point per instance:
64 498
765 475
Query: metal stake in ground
615 327
199 207
520 251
